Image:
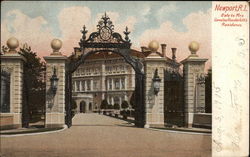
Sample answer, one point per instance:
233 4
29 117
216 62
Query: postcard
124 79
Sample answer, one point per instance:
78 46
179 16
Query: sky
173 23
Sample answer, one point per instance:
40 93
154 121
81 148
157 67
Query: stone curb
182 132
36 133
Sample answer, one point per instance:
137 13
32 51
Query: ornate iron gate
5 92
105 40
173 99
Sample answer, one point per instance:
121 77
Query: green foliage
34 83
110 106
104 104
124 104
116 106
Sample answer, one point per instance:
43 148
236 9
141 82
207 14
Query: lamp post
54 81
156 82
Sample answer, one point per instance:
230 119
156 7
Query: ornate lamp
200 79
54 81
156 82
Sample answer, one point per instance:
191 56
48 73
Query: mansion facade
103 76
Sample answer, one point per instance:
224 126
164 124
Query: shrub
124 104
110 106
104 104
117 106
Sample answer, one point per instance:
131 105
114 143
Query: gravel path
94 135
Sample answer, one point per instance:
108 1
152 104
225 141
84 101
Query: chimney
174 53
163 50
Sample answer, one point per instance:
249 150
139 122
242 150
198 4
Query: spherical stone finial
56 44
194 47
12 43
153 46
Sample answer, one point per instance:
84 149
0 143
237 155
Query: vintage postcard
124 79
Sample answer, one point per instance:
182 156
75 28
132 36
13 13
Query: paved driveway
94 135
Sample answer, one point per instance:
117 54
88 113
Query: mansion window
96 70
87 71
73 86
122 68
83 85
78 85
110 83
123 98
88 84
108 69
114 68
110 100
117 84
116 100
123 83
95 85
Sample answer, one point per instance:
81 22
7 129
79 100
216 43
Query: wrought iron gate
5 92
173 99
105 40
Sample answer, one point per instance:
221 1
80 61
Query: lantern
156 82
54 81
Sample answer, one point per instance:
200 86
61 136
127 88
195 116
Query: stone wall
55 104
154 103
13 64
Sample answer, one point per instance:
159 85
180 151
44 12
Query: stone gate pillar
55 101
154 103
194 87
12 63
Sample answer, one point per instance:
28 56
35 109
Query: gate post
140 99
12 63
55 94
194 91
154 102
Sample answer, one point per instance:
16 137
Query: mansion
103 76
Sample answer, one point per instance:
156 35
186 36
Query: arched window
116 100
117 84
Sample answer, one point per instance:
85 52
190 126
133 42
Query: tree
34 83
124 104
110 106
104 104
116 106
124 107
